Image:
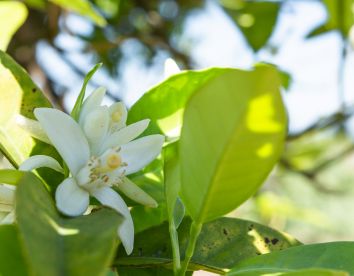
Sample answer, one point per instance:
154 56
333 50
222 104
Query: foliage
225 129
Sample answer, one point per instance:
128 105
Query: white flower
7 199
99 155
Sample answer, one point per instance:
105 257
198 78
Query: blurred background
311 192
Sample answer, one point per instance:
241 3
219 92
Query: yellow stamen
114 161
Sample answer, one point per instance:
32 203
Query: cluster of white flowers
100 150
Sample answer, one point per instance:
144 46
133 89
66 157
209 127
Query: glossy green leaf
12 15
80 99
145 272
334 255
145 217
20 95
175 207
221 244
340 17
82 7
150 179
54 245
12 262
255 19
313 272
164 104
171 177
301 272
37 4
233 134
125 271
178 212
11 177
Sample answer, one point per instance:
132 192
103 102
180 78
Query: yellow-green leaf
82 7
233 134
54 245
12 15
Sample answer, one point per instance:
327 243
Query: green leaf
164 104
145 217
125 271
145 272
172 179
340 17
178 212
301 272
54 245
10 176
233 134
150 179
18 95
333 255
84 8
255 19
313 272
12 262
12 16
80 99
37 4
175 207
222 243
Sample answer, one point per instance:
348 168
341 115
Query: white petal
39 161
125 135
96 127
32 127
134 192
119 115
138 153
92 101
171 68
110 198
70 199
66 136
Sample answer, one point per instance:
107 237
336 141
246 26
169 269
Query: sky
313 63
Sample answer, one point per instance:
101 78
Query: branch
332 120
312 174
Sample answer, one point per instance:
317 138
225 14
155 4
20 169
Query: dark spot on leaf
266 240
225 232
34 90
250 228
258 253
275 241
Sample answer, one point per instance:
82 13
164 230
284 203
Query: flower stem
193 236
175 246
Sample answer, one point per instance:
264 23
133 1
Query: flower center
114 161
102 171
